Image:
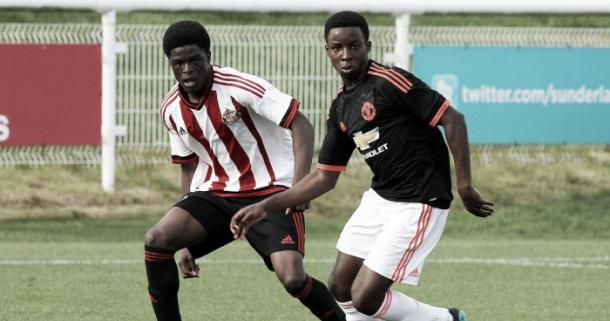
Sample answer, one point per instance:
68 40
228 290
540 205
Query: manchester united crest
230 117
368 111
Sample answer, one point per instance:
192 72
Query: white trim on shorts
393 238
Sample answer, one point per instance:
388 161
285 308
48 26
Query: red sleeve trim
332 168
192 158
290 114
439 113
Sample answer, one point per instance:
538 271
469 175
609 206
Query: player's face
348 52
191 67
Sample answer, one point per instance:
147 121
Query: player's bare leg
288 266
340 285
343 275
176 230
372 295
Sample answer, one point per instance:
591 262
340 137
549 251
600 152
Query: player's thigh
176 229
213 214
279 232
369 289
342 276
363 228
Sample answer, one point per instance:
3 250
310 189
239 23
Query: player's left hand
187 265
474 202
245 218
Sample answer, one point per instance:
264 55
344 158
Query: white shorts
393 238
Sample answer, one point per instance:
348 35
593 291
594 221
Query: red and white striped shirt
238 134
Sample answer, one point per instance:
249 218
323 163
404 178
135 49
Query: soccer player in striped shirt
238 140
392 118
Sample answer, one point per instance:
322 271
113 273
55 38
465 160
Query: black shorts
277 232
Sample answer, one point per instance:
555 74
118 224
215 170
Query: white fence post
109 130
403 48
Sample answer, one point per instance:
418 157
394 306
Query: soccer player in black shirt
392 118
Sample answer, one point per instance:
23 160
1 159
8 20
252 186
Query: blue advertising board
523 95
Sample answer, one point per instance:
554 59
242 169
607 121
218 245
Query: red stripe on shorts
416 241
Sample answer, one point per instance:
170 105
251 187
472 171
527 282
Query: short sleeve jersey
392 118
238 135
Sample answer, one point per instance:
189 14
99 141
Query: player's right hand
246 217
188 267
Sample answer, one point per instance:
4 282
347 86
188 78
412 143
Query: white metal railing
65 33
290 57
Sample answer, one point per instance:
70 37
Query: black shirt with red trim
392 117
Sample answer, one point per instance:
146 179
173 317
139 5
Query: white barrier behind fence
401 6
290 57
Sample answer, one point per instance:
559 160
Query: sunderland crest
230 117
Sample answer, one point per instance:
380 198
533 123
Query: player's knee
338 289
156 238
363 302
292 283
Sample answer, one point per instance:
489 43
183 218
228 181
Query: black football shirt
392 117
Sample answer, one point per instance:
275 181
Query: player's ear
368 46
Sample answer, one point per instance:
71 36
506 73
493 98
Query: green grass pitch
493 280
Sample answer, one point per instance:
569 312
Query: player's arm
186 176
310 187
302 145
186 263
183 155
457 138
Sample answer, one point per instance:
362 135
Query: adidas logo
182 131
414 273
287 240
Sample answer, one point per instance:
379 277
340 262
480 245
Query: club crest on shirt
230 117
368 111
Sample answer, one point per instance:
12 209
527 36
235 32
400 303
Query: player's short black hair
184 33
346 19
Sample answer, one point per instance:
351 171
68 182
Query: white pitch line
575 263
528 262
